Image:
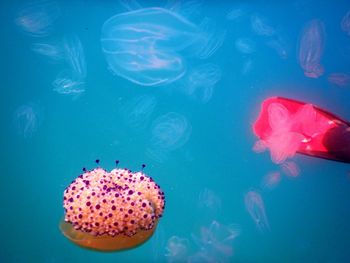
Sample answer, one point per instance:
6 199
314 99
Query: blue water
201 155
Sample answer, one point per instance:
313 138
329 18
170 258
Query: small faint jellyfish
169 132
177 249
215 242
256 209
245 45
201 82
260 26
27 118
345 23
50 51
339 79
109 211
137 111
209 200
311 47
72 79
271 180
37 18
290 169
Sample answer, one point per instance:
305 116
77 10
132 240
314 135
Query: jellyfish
345 23
169 132
256 209
148 46
36 19
286 127
339 79
311 48
111 211
27 118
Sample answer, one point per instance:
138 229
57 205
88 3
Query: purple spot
88 203
130 211
114 207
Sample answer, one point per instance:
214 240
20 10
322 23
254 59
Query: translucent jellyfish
177 249
27 119
50 51
169 132
247 66
67 82
74 54
148 46
201 82
215 243
256 209
280 46
245 45
339 79
137 111
345 23
290 169
209 200
72 79
37 18
235 13
260 26
271 180
109 211
212 41
311 48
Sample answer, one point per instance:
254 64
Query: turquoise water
67 99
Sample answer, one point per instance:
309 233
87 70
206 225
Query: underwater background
72 91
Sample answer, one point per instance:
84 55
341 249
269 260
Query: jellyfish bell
287 126
104 242
111 211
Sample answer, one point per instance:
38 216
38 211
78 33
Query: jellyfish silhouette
311 47
110 211
147 46
287 127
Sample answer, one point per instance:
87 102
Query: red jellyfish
287 126
110 211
